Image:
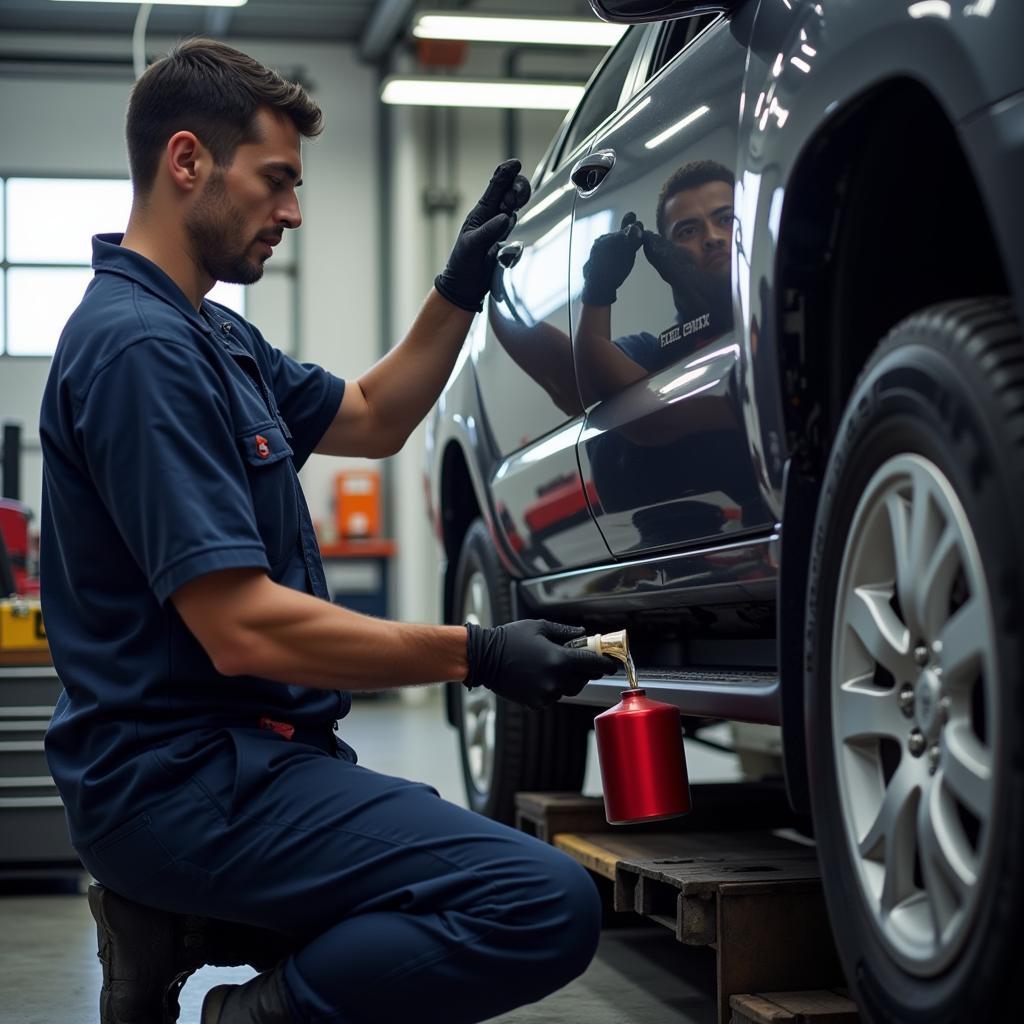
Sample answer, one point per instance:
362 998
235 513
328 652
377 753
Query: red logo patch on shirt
262 447
281 728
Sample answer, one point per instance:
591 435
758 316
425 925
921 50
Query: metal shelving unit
33 832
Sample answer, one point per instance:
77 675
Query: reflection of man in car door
691 252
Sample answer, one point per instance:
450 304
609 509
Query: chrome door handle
591 170
509 254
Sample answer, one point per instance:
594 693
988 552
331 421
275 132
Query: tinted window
676 36
602 98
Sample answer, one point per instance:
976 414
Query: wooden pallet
818 1007
753 896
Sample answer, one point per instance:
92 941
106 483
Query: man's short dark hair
214 91
691 175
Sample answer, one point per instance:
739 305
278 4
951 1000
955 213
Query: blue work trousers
403 907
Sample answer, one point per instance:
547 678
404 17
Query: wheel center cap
927 693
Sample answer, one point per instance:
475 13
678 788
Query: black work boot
261 1000
148 955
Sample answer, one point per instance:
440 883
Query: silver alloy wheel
479 705
915 694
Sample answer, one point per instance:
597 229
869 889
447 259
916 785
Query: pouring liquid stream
630 671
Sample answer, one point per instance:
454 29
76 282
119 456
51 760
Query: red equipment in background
14 550
15 560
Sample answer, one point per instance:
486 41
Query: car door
523 356
664 453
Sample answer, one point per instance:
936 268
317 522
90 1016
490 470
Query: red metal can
643 767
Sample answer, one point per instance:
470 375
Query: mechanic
203 663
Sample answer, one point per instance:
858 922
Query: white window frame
290 269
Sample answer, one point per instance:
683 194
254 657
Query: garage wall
74 125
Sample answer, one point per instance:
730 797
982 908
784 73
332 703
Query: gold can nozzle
615 645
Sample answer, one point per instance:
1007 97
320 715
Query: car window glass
602 96
677 35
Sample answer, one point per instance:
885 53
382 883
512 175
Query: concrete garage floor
641 975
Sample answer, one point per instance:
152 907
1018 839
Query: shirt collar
109 256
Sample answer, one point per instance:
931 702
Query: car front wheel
914 647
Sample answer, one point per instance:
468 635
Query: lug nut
917 743
921 654
945 706
933 758
906 700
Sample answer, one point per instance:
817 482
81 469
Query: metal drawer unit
33 832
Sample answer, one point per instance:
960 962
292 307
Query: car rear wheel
504 747
914 647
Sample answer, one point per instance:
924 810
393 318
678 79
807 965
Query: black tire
533 750
946 386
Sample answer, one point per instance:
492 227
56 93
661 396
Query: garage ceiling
298 19
324 19
333 20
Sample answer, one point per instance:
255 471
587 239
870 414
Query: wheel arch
863 241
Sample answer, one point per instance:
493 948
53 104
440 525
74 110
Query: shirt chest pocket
272 482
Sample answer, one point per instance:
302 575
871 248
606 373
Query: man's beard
217 232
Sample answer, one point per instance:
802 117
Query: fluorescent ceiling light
930 9
429 91
677 127
490 28
170 3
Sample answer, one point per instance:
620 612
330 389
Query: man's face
699 220
244 208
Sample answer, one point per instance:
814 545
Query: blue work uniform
171 438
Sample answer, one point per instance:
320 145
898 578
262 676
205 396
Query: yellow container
21 625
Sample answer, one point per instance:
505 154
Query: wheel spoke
864 711
898 509
916 545
478 600
890 838
947 863
478 732
488 747
936 582
967 769
886 639
963 643
478 700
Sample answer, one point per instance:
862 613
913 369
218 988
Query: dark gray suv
750 382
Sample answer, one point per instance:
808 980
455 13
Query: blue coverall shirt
171 440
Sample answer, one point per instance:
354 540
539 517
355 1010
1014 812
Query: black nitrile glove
693 292
674 264
467 277
611 260
525 661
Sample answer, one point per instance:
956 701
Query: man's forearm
605 368
282 634
401 388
